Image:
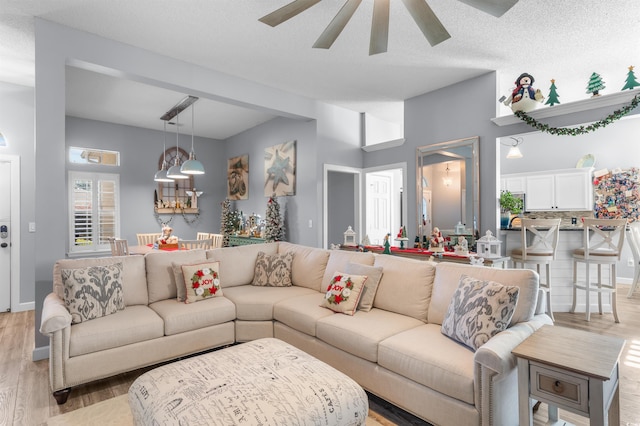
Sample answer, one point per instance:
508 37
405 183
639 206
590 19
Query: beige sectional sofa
396 350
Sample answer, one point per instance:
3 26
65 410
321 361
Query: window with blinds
95 210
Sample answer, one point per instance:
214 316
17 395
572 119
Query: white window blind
94 210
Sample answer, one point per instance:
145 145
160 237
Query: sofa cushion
308 266
237 264
302 312
133 324
338 261
423 354
478 311
343 293
405 286
93 291
374 275
273 270
201 281
360 334
181 317
134 276
160 279
448 276
256 303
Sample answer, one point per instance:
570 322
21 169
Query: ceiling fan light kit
420 11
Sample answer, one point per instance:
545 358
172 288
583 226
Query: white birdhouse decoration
489 246
350 237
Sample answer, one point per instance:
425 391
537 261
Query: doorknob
3 245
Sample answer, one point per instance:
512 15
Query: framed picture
280 169
238 177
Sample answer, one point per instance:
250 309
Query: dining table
148 248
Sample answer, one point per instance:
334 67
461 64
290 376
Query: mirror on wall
448 190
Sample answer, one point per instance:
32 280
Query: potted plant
509 204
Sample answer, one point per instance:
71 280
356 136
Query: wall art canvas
238 177
280 169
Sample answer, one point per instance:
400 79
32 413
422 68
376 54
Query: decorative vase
505 218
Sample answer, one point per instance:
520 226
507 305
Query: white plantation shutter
94 210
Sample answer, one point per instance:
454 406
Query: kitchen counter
562 228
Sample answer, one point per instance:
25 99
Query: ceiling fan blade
496 8
335 27
287 11
379 27
427 21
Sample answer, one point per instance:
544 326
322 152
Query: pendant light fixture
174 171
161 175
447 180
192 166
514 151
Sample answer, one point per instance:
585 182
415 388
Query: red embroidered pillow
344 292
201 281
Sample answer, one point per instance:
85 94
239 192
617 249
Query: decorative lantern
489 246
350 237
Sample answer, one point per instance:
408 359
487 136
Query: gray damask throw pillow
273 270
93 292
479 310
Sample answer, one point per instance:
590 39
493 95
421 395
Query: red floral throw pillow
344 292
202 281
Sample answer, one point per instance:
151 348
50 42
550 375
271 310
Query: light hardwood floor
25 398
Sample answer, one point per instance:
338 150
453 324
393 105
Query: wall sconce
514 151
447 179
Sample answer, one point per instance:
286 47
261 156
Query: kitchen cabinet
514 184
556 190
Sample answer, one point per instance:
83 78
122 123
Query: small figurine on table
387 246
462 248
167 237
436 244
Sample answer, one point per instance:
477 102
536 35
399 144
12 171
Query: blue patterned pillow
479 310
93 292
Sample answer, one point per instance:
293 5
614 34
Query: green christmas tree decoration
595 84
226 222
631 80
274 228
553 94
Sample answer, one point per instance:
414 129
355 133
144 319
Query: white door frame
325 198
14 160
393 166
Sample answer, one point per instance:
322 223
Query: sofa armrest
496 353
55 315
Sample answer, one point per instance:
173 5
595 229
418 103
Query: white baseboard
27 306
40 353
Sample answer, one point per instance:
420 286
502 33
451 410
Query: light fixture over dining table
176 171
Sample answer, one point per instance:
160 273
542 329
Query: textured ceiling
565 40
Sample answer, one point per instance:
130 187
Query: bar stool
634 243
603 240
538 244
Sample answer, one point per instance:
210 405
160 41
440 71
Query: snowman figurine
524 97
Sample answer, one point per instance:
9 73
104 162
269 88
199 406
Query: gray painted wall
140 150
340 206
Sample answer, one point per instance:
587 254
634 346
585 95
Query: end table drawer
556 387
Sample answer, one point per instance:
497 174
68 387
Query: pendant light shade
192 166
514 152
161 175
174 172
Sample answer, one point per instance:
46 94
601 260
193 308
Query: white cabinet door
515 184
573 191
540 193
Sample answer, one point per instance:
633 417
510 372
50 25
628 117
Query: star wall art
280 169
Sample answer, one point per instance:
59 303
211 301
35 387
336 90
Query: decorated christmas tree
274 228
553 94
631 80
226 222
595 84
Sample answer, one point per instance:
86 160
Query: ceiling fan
426 20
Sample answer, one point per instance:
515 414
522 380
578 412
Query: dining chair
634 242
144 239
195 244
119 247
202 236
538 245
217 239
602 245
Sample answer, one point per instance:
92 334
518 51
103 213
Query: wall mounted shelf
172 211
615 100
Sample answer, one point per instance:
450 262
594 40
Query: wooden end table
571 369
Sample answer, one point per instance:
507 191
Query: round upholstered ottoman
264 382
